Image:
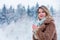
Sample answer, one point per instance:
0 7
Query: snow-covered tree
52 11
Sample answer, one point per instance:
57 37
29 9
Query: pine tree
28 10
52 10
4 9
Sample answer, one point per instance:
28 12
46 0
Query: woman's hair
45 9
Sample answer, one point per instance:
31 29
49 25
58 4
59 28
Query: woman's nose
40 14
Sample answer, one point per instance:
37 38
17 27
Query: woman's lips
41 15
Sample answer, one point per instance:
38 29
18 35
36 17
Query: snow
22 30
57 23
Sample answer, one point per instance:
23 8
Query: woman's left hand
34 27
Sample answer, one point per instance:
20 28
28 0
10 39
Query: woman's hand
34 27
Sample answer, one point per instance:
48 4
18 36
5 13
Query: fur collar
48 20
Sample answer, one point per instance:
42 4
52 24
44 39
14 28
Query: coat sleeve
49 32
55 36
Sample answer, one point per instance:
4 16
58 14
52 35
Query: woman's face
41 13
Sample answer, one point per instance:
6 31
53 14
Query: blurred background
17 16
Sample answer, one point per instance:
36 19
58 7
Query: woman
44 28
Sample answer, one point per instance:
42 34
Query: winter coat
47 30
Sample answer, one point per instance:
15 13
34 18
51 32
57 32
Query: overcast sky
25 3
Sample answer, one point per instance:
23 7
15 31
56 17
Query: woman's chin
41 17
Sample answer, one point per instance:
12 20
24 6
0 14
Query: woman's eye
38 12
43 12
